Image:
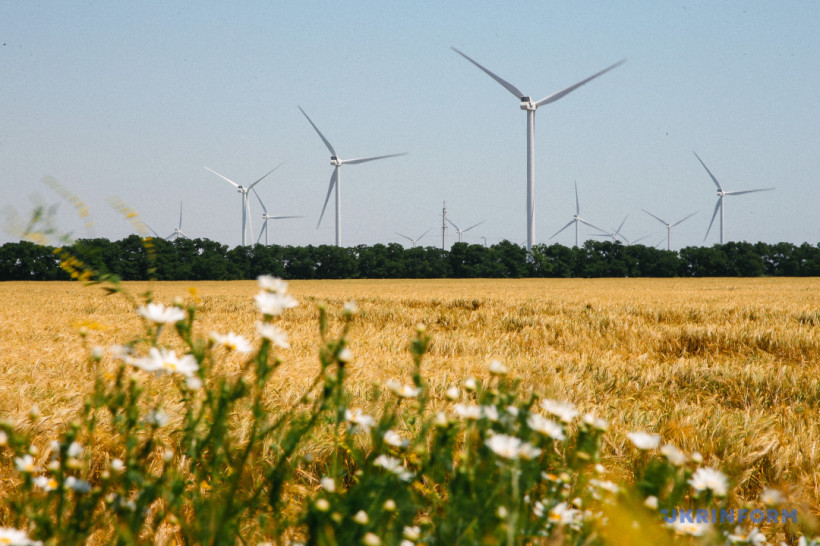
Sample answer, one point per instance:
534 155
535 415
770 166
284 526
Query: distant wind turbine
337 162
416 240
577 220
530 106
176 234
246 205
615 233
463 231
721 195
266 217
668 226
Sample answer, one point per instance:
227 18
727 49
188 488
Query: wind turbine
721 195
463 231
530 106
266 217
668 227
246 205
578 220
177 233
416 240
615 234
337 162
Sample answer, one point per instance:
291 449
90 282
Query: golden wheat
726 367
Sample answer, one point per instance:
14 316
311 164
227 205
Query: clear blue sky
133 99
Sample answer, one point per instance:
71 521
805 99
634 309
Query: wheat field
726 367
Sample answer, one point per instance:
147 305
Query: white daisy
165 361
710 479
359 420
25 464
15 537
45 483
275 335
673 454
564 411
402 390
232 342
497 368
394 466
272 305
159 314
692 528
272 284
392 438
644 440
545 426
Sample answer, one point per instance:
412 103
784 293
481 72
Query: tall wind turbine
246 205
578 220
530 106
337 162
668 227
266 217
416 240
721 193
463 231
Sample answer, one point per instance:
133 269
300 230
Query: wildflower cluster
223 459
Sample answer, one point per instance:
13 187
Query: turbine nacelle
528 104
335 161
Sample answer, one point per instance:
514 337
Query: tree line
135 258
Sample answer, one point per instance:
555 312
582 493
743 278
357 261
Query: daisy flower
710 479
644 440
545 426
232 342
275 335
165 361
159 314
564 411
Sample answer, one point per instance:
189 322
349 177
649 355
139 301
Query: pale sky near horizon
133 100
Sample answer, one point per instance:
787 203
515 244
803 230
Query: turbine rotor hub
527 104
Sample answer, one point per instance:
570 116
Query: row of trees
134 258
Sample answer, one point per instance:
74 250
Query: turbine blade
282 217
182 233
152 230
679 221
180 216
452 224
507 85
474 225
364 159
747 191
171 235
223 177
717 206
618 231
577 204
638 239
423 234
266 174
264 227
708 171
248 212
591 225
329 147
405 236
664 222
261 203
563 228
333 179
561 94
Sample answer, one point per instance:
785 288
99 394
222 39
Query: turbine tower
337 162
721 193
246 205
531 106
416 240
266 217
578 220
668 227
463 231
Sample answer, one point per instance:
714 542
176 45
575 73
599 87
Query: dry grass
728 367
